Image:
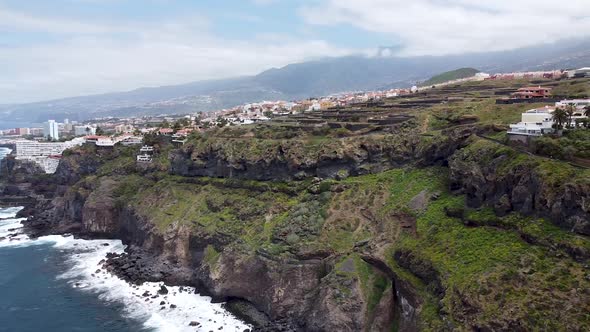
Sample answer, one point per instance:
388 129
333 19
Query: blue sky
231 19
59 48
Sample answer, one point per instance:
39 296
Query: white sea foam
9 212
10 228
86 275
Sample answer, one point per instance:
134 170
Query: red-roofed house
532 92
165 131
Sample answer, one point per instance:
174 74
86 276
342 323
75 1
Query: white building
131 140
535 122
124 129
84 130
144 158
46 155
582 72
51 130
580 104
539 121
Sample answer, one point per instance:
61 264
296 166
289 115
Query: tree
87 130
165 124
177 125
268 114
222 122
560 116
586 113
570 110
99 131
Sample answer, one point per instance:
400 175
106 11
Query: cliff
324 157
368 233
497 176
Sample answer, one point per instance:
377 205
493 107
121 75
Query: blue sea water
57 284
32 299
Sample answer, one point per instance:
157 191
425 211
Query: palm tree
587 114
570 110
560 116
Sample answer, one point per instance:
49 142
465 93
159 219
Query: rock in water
163 290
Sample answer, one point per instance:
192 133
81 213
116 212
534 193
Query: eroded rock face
297 159
99 213
276 287
18 171
490 179
302 293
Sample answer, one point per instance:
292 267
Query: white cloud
264 2
113 56
457 26
10 19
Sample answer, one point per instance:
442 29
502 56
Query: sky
57 48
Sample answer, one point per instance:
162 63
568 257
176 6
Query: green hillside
451 75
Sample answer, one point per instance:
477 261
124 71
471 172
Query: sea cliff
377 232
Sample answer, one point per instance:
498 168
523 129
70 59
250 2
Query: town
44 145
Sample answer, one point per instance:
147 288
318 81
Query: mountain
450 76
301 80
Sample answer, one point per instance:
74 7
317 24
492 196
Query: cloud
435 27
264 2
10 19
108 56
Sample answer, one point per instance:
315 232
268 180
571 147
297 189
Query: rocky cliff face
319 255
493 175
282 160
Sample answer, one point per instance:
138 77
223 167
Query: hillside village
350 113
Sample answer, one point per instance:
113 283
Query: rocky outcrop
301 158
100 210
493 175
19 171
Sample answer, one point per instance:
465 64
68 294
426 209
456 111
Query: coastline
178 308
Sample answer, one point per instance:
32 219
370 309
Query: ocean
54 284
3 153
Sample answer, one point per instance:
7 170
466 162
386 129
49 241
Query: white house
580 104
84 130
535 122
582 72
539 121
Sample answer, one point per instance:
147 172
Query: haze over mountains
295 81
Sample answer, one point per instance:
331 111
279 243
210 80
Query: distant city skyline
61 48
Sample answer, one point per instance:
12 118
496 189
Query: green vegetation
577 88
451 76
211 255
469 267
573 144
554 173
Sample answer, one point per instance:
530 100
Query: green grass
573 88
484 262
211 256
450 76
464 256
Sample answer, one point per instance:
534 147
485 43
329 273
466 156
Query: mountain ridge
296 81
